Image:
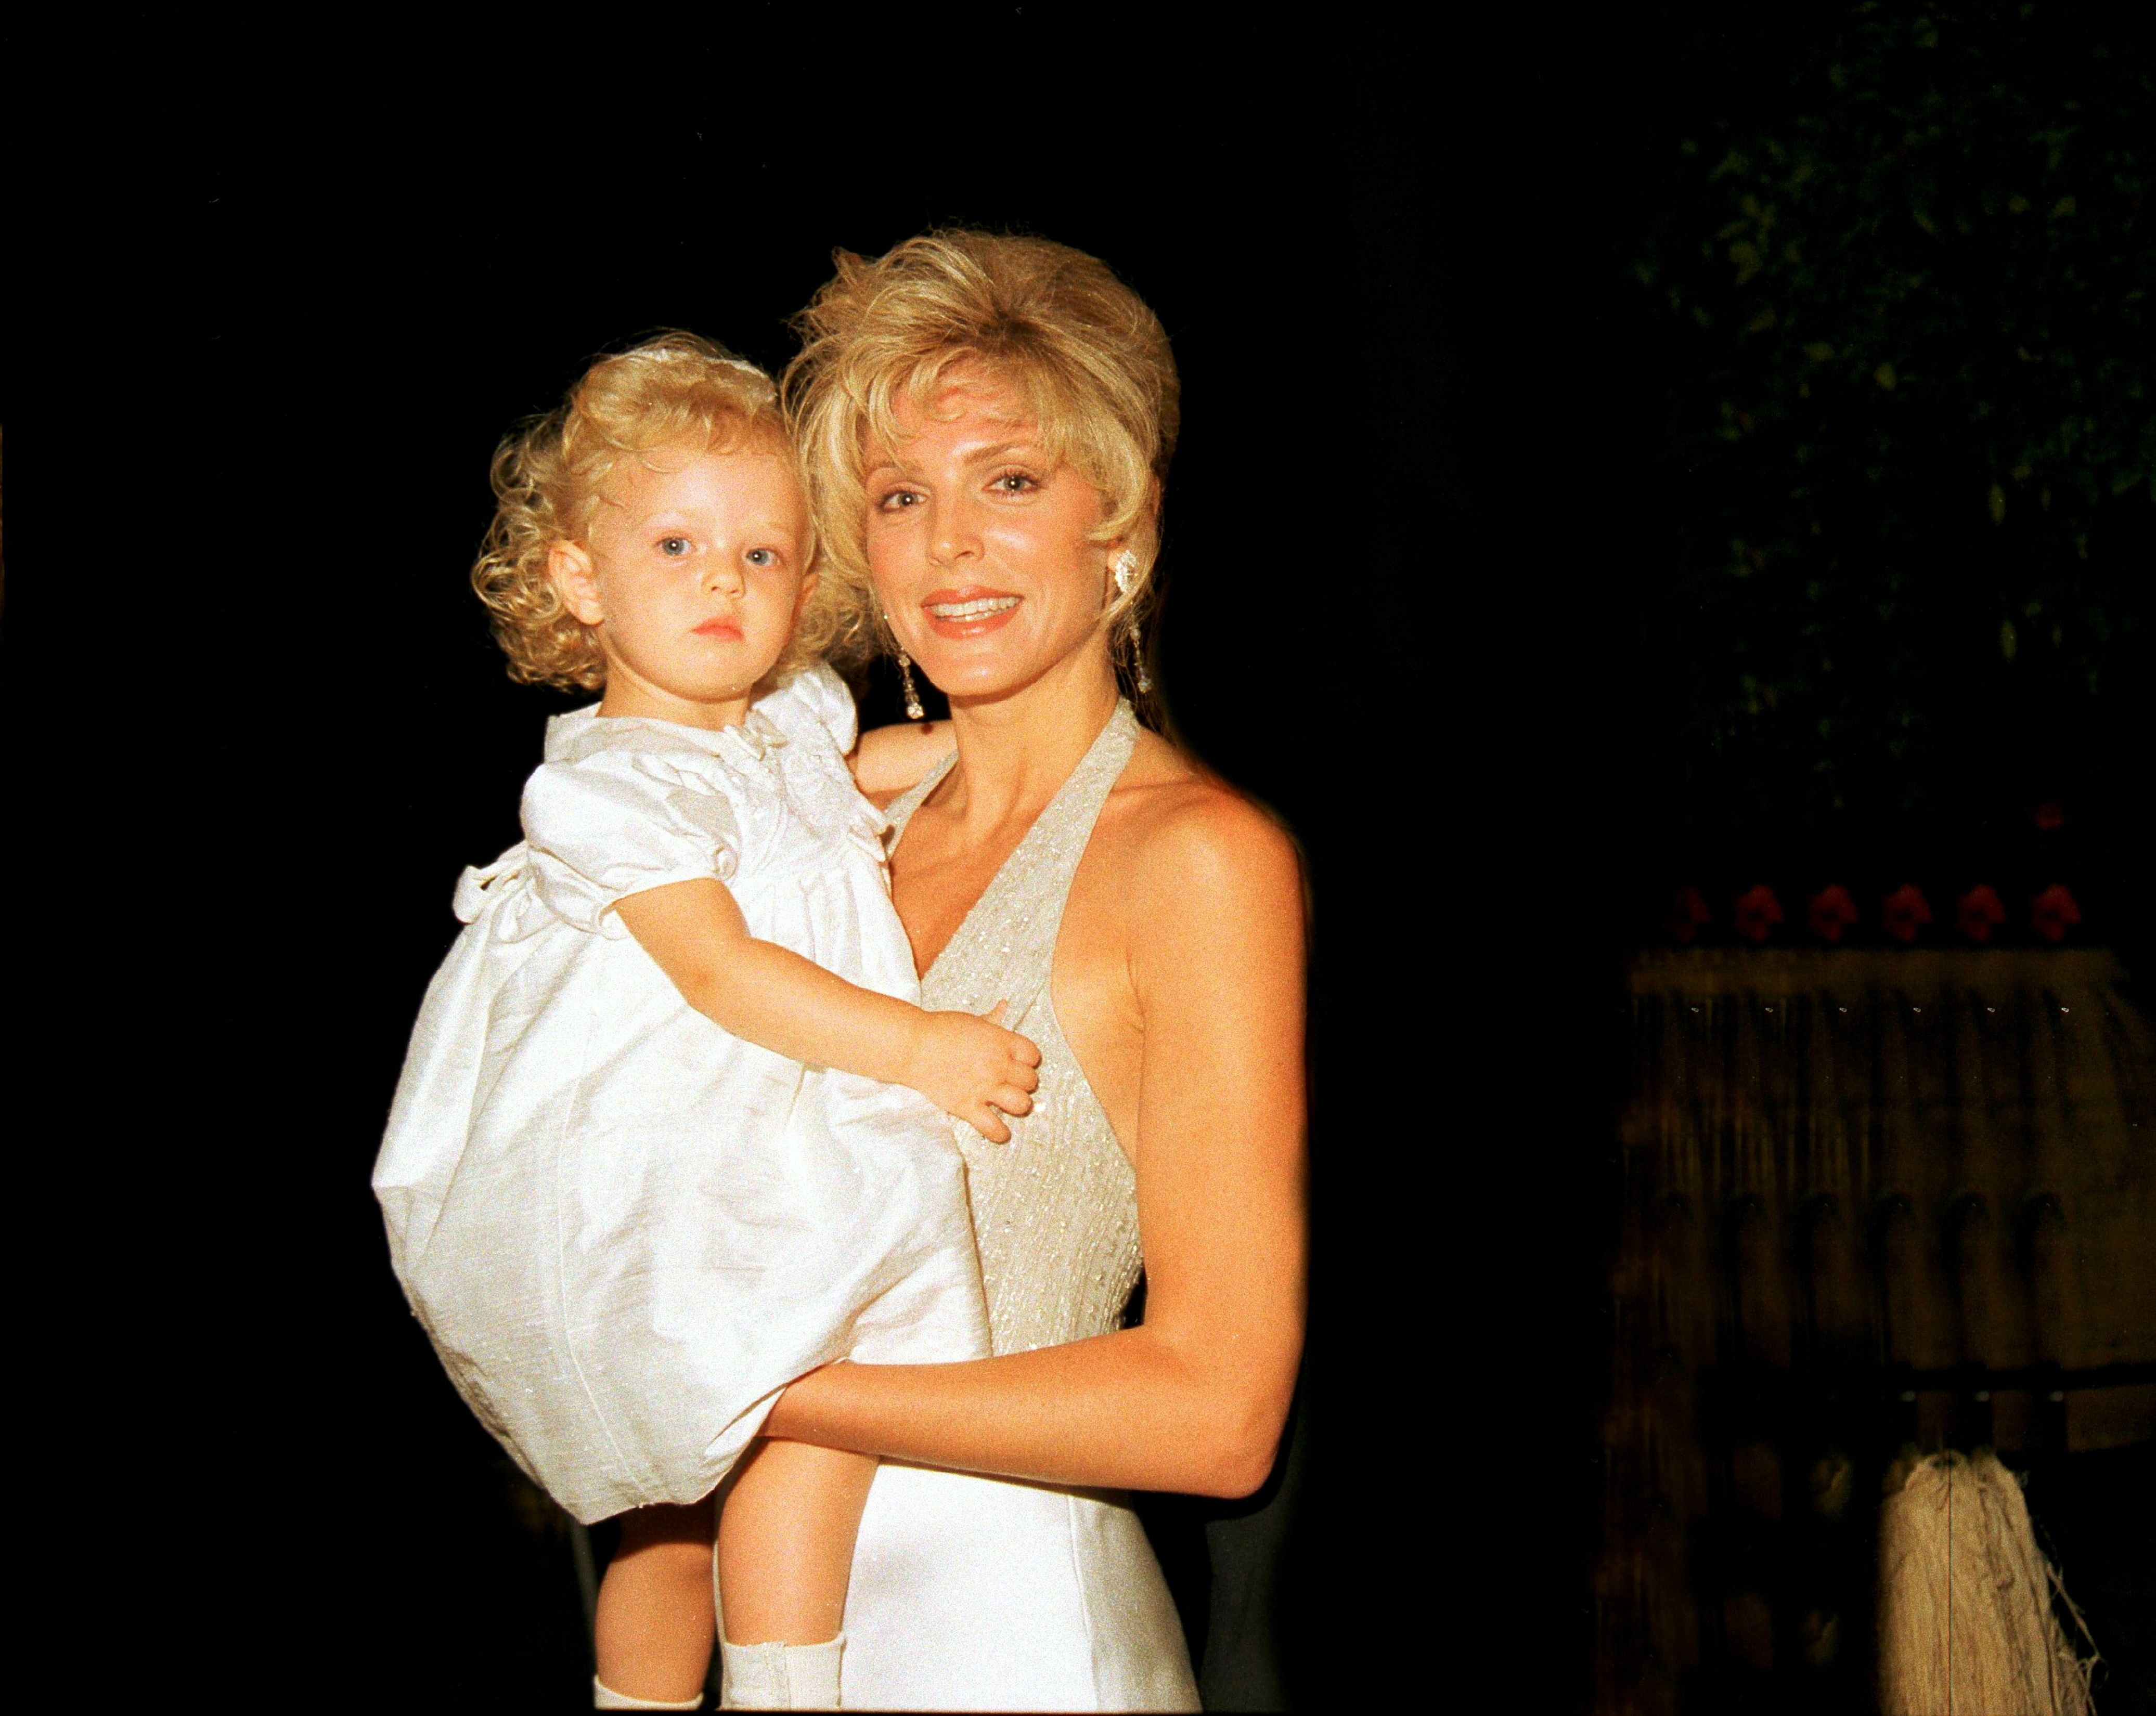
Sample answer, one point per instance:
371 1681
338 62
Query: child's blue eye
673 547
761 557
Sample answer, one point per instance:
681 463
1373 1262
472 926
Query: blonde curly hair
548 477
1092 360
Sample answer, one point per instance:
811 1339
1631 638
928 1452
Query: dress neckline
901 816
754 736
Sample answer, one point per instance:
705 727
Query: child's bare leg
653 1629
786 1542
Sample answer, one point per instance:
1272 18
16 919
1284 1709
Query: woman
985 423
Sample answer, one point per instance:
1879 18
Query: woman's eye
900 500
1013 482
673 547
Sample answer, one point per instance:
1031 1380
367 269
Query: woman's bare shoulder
888 759
1184 834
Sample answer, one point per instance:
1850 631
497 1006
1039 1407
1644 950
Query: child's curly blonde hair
671 389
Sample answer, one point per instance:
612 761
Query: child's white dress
624 1229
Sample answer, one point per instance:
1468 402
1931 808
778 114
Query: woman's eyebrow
982 455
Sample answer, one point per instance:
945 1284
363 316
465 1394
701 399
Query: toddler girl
657 1149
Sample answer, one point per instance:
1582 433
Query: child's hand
971 1067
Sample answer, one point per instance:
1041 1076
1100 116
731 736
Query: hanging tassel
1965 1621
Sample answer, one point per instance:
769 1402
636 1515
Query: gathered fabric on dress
983 1593
624 1228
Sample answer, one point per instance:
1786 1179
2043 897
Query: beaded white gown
978 1593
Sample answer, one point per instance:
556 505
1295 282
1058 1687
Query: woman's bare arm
1195 1399
770 996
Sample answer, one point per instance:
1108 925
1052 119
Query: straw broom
1965 1622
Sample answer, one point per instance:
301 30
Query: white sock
780 1677
605 1698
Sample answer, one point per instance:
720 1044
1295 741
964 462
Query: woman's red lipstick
967 613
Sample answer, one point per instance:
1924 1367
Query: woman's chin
983 675
967 670
966 689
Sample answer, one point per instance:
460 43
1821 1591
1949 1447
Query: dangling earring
1125 565
913 709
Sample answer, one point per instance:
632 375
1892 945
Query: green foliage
1897 281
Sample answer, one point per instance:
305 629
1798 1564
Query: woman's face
978 546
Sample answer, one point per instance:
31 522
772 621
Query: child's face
691 572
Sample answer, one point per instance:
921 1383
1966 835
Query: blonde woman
985 423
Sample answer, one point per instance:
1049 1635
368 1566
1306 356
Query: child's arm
888 760
767 995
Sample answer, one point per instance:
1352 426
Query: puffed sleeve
815 699
602 827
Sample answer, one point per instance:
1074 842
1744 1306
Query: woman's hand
974 1068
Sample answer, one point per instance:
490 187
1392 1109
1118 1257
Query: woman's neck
1016 751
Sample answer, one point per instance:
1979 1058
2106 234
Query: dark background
274 341
1437 471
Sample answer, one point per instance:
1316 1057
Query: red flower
1757 911
1978 912
1687 912
2051 911
1832 912
1906 911
2048 814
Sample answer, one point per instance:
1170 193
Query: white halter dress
974 1593
624 1229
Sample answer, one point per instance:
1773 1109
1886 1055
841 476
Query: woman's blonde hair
1092 360
671 389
